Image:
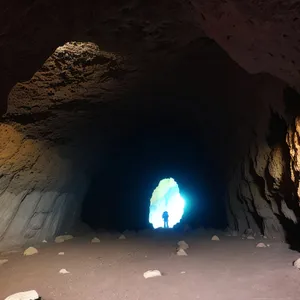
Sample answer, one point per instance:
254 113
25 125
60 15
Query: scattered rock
44 241
64 271
61 253
182 272
183 245
29 295
62 238
122 237
297 263
250 237
59 239
261 245
181 252
95 240
152 273
215 238
30 251
3 261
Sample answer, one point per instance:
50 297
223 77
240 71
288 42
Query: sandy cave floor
113 269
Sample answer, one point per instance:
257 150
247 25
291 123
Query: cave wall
51 138
40 191
264 187
262 37
83 102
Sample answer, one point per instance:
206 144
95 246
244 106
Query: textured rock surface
48 135
37 188
267 184
42 182
261 36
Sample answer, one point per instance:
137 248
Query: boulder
62 238
181 252
95 240
261 245
30 251
297 263
152 273
215 238
63 271
3 261
29 295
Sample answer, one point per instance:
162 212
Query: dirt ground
113 269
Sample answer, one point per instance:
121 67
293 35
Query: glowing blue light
166 197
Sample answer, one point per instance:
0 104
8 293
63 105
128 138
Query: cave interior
99 104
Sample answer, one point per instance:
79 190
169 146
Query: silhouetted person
165 216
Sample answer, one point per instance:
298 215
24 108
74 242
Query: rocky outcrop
266 184
260 36
40 191
43 171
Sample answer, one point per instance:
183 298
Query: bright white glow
166 197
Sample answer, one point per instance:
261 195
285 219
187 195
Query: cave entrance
166 198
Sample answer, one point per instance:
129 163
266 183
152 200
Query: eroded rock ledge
264 190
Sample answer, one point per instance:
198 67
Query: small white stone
264 237
61 253
182 272
64 271
44 241
297 263
30 251
3 261
29 295
95 240
261 245
183 245
215 238
152 273
250 237
181 252
122 237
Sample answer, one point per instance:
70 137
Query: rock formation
71 80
